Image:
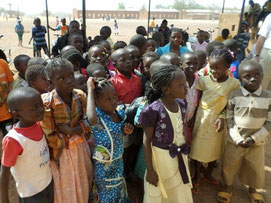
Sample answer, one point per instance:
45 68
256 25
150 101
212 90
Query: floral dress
109 183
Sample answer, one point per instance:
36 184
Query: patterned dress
109 183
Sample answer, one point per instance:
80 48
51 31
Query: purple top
155 115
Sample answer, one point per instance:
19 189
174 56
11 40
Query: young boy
25 150
140 42
201 44
96 70
128 86
36 77
201 59
38 33
80 82
105 33
171 58
19 29
6 80
20 63
63 28
248 119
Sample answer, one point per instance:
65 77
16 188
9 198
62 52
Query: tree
143 8
121 6
160 6
186 4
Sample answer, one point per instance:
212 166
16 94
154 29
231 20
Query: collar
58 100
123 76
258 92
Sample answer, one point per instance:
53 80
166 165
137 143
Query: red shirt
11 147
127 89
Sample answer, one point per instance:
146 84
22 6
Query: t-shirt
265 31
19 28
63 28
12 149
221 39
39 35
5 78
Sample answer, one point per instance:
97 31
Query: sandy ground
127 29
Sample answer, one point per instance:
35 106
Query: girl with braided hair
106 120
208 131
167 178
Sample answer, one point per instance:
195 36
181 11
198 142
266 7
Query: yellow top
220 39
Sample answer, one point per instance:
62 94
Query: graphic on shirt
102 153
44 154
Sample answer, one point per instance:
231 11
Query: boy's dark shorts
45 196
42 46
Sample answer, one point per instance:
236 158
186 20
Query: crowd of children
87 122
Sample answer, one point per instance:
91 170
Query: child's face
41 84
22 69
201 62
178 87
31 110
124 63
63 79
37 23
151 45
190 65
73 27
97 55
107 48
251 77
77 42
107 99
143 49
100 73
80 83
147 64
218 67
135 57
201 37
175 39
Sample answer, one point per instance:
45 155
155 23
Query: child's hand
90 83
128 128
152 177
64 129
219 125
248 142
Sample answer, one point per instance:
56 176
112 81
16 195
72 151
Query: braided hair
57 62
100 84
161 77
224 54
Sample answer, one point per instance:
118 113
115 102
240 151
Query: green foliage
121 6
186 4
161 6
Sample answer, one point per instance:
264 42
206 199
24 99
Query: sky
36 6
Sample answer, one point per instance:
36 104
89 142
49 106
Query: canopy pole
223 6
48 30
241 18
149 15
84 16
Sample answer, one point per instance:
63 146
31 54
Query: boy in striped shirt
249 124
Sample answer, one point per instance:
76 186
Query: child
96 70
201 44
36 77
80 82
64 128
140 42
36 61
6 80
128 86
232 45
225 34
136 59
119 45
25 151
63 28
167 178
19 29
116 27
76 39
189 63
97 54
141 30
38 33
245 144
201 59
105 33
108 50
171 58
151 45
159 39
108 128
20 63
148 58
208 131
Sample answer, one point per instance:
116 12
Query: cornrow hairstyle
212 46
151 54
57 62
119 45
34 71
99 84
161 77
224 54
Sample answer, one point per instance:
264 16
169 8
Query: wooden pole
84 16
48 30
241 18
149 15
223 6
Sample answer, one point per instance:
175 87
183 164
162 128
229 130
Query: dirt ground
127 30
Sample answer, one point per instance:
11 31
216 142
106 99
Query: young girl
106 120
167 178
64 128
208 131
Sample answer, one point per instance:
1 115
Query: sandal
224 197
254 197
195 189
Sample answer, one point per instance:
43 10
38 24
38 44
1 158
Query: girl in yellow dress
167 178
208 131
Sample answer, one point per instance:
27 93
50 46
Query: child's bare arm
30 40
151 175
91 111
4 179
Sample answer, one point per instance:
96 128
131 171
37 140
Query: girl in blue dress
106 120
